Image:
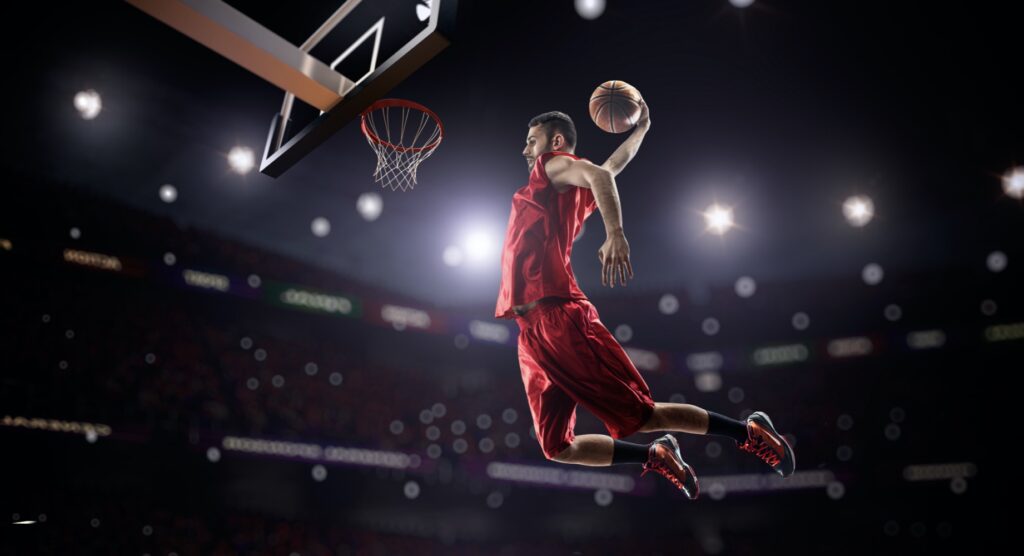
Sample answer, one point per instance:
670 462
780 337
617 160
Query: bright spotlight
88 104
741 3
242 160
718 219
1013 182
369 206
858 210
168 193
590 9
478 245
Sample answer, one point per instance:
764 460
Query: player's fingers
629 265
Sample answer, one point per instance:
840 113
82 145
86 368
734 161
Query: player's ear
558 142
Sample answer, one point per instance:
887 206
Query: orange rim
391 102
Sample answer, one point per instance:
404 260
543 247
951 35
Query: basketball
615 106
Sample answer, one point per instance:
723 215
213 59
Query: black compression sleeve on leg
721 425
628 452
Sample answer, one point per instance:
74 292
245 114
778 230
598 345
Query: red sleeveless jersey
538 243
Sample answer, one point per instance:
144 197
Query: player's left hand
614 257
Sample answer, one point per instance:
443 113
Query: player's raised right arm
627 150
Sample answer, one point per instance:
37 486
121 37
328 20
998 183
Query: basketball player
566 355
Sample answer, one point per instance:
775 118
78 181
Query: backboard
351 57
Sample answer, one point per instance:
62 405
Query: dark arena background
825 223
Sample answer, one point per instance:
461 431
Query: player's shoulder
560 160
566 171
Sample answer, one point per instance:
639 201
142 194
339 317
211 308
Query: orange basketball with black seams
615 106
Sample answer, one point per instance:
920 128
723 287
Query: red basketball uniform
566 355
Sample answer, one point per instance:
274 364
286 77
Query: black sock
628 452
721 425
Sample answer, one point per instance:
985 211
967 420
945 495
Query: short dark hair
557 122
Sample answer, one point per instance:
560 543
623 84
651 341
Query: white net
402 137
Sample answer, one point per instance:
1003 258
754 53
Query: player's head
550 131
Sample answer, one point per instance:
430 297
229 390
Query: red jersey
538 242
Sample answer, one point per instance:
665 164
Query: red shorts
568 357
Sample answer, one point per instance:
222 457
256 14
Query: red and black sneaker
766 443
664 458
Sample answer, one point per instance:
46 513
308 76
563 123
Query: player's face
536 145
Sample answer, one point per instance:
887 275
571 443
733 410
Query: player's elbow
598 177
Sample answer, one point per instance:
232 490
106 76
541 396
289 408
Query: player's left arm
627 150
614 253
566 171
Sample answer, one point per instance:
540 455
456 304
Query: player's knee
653 423
560 456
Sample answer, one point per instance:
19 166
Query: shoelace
664 471
761 449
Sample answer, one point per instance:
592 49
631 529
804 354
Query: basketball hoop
399 156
